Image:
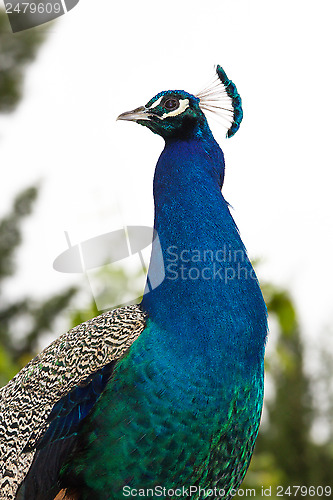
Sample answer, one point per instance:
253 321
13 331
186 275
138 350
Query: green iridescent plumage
149 436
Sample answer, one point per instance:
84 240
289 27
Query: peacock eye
171 104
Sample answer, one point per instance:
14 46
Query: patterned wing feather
28 399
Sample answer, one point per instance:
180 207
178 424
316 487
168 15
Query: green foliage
16 50
10 234
23 322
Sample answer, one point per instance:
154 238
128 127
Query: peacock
164 398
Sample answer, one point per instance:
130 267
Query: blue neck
210 296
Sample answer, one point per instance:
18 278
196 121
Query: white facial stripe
156 103
183 104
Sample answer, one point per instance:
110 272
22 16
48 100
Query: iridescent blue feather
232 92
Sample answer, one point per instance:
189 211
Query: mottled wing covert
27 400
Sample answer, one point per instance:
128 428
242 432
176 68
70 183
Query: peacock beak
140 113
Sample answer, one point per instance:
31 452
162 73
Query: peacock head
171 113
178 114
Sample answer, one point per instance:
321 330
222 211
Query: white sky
105 57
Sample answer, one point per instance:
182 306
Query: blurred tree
16 50
285 454
23 322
